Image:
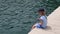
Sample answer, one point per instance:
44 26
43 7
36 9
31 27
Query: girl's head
41 11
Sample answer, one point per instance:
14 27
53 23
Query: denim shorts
39 26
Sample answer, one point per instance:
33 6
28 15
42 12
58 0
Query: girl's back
44 19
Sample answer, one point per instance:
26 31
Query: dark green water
18 16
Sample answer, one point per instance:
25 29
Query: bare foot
33 27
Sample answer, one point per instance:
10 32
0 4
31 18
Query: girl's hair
42 11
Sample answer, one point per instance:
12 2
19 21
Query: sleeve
41 18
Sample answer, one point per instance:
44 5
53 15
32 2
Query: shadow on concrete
48 28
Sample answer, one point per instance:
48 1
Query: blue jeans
40 26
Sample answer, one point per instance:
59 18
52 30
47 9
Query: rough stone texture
17 16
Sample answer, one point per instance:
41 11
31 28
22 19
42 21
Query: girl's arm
41 21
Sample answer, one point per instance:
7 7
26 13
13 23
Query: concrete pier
53 24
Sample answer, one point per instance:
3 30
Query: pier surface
53 26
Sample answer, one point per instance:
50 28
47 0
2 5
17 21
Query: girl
42 19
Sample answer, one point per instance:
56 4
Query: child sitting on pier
43 20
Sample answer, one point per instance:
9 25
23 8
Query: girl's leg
33 27
37 25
